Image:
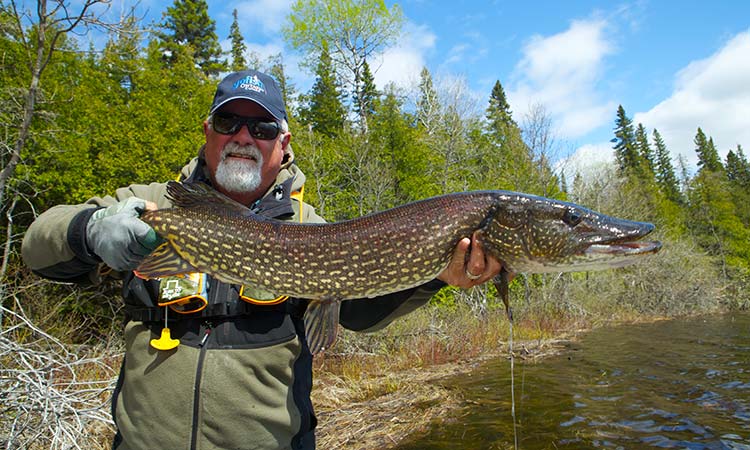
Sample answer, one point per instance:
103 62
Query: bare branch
53 395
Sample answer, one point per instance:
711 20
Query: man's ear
286 140
205 128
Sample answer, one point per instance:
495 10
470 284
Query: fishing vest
186 295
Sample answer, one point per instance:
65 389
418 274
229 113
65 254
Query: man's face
240 165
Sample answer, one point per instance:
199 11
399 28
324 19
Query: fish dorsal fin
163 262
193 194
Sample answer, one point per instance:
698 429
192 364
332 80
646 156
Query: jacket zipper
197 387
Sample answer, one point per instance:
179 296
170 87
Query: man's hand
468 272
117 235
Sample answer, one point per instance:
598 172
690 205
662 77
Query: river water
681 384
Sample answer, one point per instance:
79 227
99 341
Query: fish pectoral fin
163 262
321 324
501 282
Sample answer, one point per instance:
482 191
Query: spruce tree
238 45
365 97
708 156
276 70
507 160
644 151
187 23
326 113
499 114
665 174
738 174
626 153
738 168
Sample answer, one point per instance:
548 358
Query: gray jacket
242 374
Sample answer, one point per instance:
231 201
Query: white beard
239 175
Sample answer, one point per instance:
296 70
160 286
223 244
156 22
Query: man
241 373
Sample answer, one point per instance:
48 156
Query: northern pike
380 253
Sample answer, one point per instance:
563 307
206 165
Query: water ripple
672 384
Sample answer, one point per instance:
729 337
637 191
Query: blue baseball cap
251 85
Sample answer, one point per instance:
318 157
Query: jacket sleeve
374 314
55 245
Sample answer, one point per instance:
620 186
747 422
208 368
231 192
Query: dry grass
54 396
380 411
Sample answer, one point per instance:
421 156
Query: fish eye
572 217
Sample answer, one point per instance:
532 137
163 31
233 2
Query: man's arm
56 245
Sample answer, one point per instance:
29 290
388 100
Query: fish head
532 234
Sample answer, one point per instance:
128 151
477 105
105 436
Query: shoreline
404 403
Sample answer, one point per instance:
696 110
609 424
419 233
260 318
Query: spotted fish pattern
381 253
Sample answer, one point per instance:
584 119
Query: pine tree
499 114
665 174
397 147
365 97
187 23
644 151
276 70
238 45
626 153
507 161
326 112
738 174
708 156
738 168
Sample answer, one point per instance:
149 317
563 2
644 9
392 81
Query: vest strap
218 311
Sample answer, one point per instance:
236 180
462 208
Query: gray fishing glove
117 235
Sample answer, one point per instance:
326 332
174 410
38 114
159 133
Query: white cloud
586 160
561 72
457 53
713 94
471 50
402 62
266 16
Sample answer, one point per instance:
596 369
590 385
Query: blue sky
673 65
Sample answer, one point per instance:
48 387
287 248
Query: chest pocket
259 296
184 294
187 294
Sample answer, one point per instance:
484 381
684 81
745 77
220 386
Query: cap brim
243 97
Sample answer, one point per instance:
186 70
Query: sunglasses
227 123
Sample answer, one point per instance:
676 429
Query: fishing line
502 282
512 388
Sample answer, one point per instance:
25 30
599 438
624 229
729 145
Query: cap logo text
250 83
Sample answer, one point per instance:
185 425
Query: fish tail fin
321 324
163 262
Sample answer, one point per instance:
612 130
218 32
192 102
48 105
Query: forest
80 121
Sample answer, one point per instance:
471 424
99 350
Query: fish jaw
592 258
619 254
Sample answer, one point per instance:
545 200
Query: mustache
235 149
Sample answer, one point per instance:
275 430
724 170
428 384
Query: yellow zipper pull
165 342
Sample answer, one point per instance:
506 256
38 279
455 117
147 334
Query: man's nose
243 136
